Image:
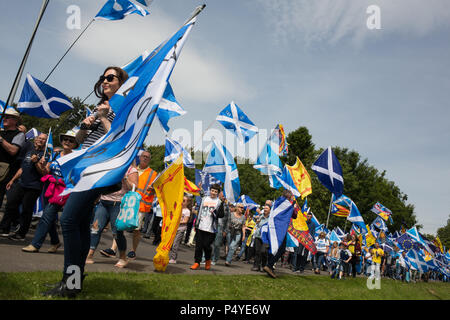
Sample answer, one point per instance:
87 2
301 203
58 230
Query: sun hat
70 134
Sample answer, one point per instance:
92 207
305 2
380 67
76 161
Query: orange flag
190 187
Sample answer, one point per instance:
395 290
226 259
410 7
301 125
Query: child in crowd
344 258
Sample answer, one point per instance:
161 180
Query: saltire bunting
41 100
329 171
169 187
220 164
119 9
278 224
235 120
106 161
173 149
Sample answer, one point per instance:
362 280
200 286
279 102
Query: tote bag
128 218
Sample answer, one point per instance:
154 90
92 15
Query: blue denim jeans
47 224
217 244
319 257
75 225
243 247
107 211
233 243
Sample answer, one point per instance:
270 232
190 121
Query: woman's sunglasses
69 140
109 78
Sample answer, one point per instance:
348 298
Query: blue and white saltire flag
173 149
168 108
106 161
49 146
417 261
32 133
269 163
379 223
335 237
291 242
41 100
134 64
279 219
286 181
248 202
220 164
340 233
235 120
119 9
413 233
88 111
356 218
329 172
314 220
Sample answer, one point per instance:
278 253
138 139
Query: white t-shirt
185 214
322 244
205 214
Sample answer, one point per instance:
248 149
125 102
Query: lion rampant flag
169 188
301 178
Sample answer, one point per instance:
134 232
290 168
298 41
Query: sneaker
171 261
16 237
131 255
30 248
108 253
54 248
4 234
227 264
213 263
207 264
270 272
89 260
195 266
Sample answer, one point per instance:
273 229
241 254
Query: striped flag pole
13 91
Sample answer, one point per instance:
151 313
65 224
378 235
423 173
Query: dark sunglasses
109 78
69 140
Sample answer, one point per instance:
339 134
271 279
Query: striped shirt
97 130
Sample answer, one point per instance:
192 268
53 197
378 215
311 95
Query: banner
169 188
299 230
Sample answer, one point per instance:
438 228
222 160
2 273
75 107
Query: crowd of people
216 228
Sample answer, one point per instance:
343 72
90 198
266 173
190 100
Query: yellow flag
301 178
370 239
169 188
437 242
300 223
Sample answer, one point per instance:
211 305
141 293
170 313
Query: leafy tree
444 234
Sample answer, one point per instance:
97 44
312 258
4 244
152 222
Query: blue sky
384 93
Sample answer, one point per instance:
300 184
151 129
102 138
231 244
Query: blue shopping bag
128 218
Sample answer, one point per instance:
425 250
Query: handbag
128 218
4 170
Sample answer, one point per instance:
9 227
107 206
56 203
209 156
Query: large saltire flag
106 161
329 172
382 211
169 189
417 261
220 164
413 233
173 149
119 9
41 100
279 219
269 163
235 120
356 218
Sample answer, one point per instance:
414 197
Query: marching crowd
218 229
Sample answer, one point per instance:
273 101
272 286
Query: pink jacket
55 187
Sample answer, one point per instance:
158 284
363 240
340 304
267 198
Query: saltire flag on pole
173 149
168 108
118 9
279 219
32 133
329 172
356 218
382 211
334 237
278 140
269 163
413 233
247 202
220 164
106 161
169 188
49 146
41 100
235 120
287 182
417 261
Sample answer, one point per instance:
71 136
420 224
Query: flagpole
46 144
67 51
329 210
13 91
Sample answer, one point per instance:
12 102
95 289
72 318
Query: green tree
444 234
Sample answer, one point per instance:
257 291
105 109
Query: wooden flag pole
13 91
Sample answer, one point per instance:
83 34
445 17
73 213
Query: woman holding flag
78 210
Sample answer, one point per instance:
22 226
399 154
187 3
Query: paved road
13 259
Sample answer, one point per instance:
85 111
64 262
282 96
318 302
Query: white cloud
332 21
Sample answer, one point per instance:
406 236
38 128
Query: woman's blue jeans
319 257
233 243
47 224
75 224
107 211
